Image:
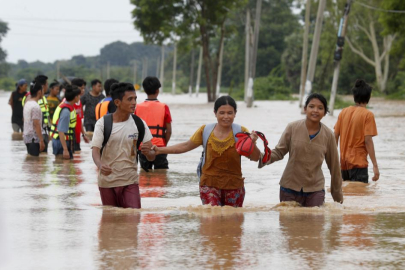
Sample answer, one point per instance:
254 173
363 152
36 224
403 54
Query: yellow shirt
222 168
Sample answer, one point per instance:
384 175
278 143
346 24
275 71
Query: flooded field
51 215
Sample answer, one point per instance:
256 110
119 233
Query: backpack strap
108 123
141 129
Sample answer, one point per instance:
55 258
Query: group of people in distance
125 131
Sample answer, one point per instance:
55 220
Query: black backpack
108 124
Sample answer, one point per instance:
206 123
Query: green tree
162 20
3 65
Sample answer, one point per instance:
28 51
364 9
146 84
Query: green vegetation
278 58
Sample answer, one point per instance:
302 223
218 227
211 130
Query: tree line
373 48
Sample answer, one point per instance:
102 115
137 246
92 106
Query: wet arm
95 153
150 155
168 133
37 128
282 148
332 160
177 148
10 101
370 149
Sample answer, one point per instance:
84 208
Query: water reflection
357 231
118 239
66 172
221 239
153 183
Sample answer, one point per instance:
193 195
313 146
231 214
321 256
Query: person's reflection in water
153 184
304 235
357 230
221 235
36 169
151 240
118 239
66 172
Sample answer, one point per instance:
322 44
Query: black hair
37 84
151 85
224 100
41 79
79 82
321 99
54 84
361 91
94 82
71 92
118 90
107 85
35 88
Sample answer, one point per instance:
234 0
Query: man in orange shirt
356 128
159 120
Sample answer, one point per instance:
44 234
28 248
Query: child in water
309 143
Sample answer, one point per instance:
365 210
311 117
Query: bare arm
370 149
332 160
10 101
38 131
177 148
62 139
105 169
168 133
150 155
255 156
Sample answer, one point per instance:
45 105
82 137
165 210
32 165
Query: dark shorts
17 127
89 127
126 196
33 149
356 174
58 149
160 162
46 141
307 199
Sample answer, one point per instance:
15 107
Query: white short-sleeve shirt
120 152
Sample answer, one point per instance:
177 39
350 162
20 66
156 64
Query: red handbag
244 145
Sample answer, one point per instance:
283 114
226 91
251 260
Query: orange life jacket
153 113
102 107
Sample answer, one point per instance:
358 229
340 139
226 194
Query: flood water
51 215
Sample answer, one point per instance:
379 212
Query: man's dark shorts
33 149
356 174
160 162
306 199
58 149
89 127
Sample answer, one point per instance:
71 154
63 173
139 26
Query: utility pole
305 51
197 87
254 54
190 87
221 55
57 69
108 69
162 68
247 52
174 69
314 50
338 54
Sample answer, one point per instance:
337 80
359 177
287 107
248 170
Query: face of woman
225 115
315 110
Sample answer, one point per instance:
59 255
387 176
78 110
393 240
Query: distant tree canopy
3 66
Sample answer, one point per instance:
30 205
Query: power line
380 9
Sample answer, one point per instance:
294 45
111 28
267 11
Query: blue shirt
64 120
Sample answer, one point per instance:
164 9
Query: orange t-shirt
354 123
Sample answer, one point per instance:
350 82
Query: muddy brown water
51 215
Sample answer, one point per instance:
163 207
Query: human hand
86 140
66 154
376 173
41 145
105 169
254 136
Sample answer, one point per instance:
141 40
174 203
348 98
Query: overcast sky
48 30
